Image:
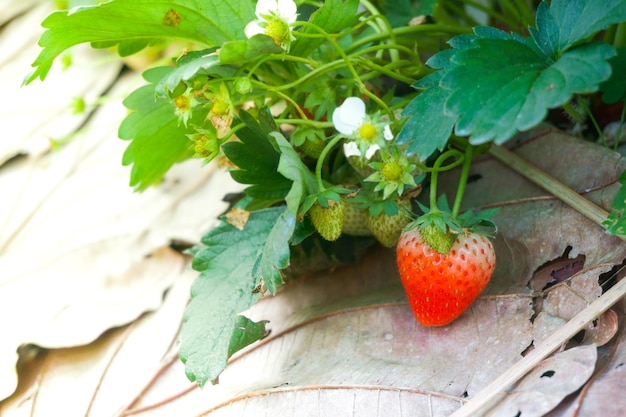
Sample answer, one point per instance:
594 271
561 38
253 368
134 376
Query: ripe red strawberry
441 286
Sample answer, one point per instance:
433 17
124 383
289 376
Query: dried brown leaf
339 402
33 116
546 386
101 378
563 301
80 251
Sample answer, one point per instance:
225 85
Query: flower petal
287 10
266 8
387 133
371 151
348 117
350 149
253 28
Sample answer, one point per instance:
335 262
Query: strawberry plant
335 115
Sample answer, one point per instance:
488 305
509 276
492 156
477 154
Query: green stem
305 121
320 161
584 105
619 41
355 75
436 169
528 18
467 162
438 166
404 30
390 73
618 134
459 11
513 11
230 133
385 28
573 113
434 177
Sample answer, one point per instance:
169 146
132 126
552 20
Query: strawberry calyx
439 240
439 228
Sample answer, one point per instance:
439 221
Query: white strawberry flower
368 133
274 19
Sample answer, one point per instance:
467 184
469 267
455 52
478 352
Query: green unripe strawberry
313 147
354 222
386 228
328 221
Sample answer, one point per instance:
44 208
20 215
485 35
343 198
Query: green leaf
242 52
158 139
614 89
257 161
565 23
274 255
504 84
292 167
245 333
193 63
332 17
400 12
226 287
493 84
133 23
428 127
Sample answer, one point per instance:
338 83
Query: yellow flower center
392 171
220 107
367 132
200 146
183 103
205 146
278 30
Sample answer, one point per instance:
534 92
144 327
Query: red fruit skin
441 287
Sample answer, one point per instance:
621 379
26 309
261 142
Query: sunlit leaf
230 272
257 162
210 22
332 17
192 64
158 138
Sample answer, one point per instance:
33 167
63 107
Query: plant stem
619 40
584 105
320 161
573 113
467 162
426 28
618 134
555 187
436 169
385 27
433 192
